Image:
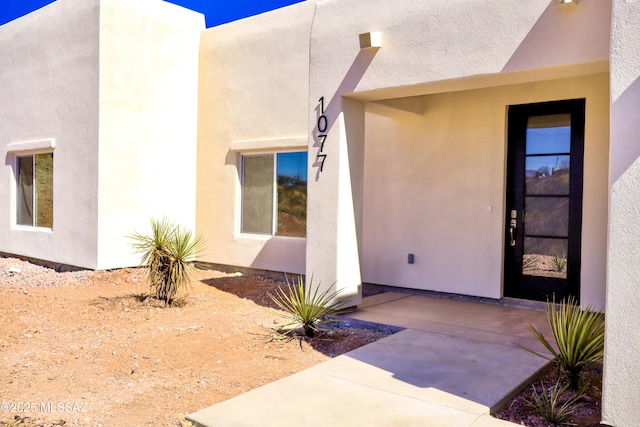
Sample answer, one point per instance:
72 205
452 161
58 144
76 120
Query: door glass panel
546 216
547 175
545 257
547 172
549 134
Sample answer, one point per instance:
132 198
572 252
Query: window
35 190
274 194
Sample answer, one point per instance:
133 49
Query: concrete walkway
453 364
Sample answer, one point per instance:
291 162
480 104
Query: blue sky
216 11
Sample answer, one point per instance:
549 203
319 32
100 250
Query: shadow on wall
282 254
560 34
625 111
330 109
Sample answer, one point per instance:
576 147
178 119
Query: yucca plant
170 254
578 334
306 307
549 406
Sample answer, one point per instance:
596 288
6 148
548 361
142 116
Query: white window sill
32 229
265 237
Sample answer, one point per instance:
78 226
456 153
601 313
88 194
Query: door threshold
523 303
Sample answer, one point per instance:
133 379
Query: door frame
516 284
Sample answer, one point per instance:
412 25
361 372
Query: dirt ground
587 413
87 349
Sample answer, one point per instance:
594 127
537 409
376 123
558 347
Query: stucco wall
49 86
622 364
253 98
427 47
148 121
434 186
438 40
113 84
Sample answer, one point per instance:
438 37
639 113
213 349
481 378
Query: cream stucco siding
113 84
622 364
434 186
444 40
436 47
148 114
254 77
148 120
49 66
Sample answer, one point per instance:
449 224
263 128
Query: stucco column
622 363
334 211
336 151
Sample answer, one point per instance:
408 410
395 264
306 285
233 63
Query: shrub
547 403
169 253
305 307
578 335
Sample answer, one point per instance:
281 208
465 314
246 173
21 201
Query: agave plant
549 405
170 254
578 334
306 307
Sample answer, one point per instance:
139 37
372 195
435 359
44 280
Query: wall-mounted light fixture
568 3
370 39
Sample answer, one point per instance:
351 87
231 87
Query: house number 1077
322 125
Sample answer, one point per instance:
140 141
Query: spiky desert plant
549 405
306 307
169 253
578 334
559 262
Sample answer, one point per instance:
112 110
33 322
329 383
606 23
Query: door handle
511 234
512 226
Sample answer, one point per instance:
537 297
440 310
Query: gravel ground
23 274
88 348
92 343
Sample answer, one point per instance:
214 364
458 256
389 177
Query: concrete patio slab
470 375
312 399
456 362
486 322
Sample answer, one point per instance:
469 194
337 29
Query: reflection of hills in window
292 194
547 216
547 165
556 184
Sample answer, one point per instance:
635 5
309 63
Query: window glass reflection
545 257
547 175
549 134
292 194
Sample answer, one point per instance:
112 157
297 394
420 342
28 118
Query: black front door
544 200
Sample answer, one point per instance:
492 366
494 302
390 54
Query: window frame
274 196
17 192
